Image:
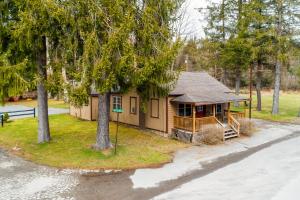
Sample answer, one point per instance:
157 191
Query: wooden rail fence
16 114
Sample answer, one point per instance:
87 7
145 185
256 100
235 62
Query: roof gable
200 87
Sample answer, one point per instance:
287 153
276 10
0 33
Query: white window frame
117 102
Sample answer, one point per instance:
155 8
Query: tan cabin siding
126 117
171 113
94 108
83 112
165 112
157 123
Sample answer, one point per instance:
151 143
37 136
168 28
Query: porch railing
200 122
186 123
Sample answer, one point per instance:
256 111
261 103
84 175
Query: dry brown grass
210 134
247 127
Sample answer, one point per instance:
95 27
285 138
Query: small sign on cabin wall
118 110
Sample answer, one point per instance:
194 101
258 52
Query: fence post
2 120
33 112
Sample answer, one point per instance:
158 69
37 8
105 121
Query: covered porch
192 117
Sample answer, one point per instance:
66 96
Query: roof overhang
202 101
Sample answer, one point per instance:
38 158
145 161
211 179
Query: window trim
151 108
184 109
121 101
135 106
200 110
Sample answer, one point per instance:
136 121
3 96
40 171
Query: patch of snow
259 177
269 134
290 191
39 184
184 161
7 165
188 160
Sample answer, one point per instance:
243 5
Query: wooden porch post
214 110
228 113
194 119
245 109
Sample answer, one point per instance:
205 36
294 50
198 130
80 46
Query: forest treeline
242 34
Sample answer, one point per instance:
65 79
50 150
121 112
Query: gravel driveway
24 180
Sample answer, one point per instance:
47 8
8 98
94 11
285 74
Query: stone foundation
184 136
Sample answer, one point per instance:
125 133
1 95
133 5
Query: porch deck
194 125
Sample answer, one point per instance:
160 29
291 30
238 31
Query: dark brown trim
135 112
91 105
94 95
167 115
157 107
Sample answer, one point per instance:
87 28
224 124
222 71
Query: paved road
261 173
52 111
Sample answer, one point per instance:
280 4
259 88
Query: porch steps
230 133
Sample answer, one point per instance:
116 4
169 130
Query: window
155 108
185 110
133 105
219 108
117 102
199 108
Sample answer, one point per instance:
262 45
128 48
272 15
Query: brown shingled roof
201 88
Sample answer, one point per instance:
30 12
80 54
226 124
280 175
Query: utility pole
250 88
186 62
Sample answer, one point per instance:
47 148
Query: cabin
197 99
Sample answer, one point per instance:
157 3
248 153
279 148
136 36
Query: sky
193 18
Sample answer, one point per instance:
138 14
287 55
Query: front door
200 111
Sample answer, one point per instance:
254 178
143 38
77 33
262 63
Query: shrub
5 117
247 127
209 134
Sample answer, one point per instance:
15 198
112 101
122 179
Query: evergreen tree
155 51
285 15
102 29
38 21
259 33
11 66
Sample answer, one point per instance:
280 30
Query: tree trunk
237 86
225 77
102 138
275 108
43 120
258 87
279 34
142 116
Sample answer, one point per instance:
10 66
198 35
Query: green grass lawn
71 142
289 105
33 103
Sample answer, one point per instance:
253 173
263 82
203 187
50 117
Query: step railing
235 114
234 124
